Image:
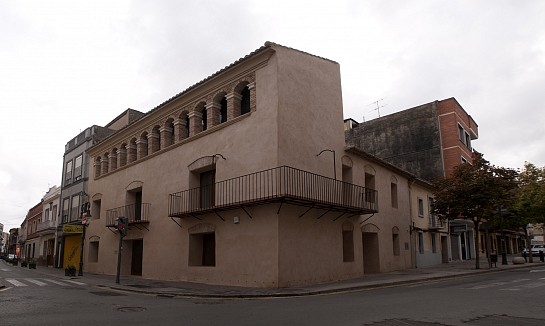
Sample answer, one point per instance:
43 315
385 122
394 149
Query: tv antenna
378 107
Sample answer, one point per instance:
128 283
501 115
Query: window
430 204
204 119
461 133
393 191
77 167
433 242
202 249
464 160
46 214
93 252
421 242
223 110
348 246
65 209
207 180
75 208
68 173
468 140
245 101
54 213
420 207
95 209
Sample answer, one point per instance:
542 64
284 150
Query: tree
529 204
473 192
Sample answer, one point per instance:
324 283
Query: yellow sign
72 228
72 251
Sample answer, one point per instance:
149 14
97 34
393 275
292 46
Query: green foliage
530 201
475 191
70 267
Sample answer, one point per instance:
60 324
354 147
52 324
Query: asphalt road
506 298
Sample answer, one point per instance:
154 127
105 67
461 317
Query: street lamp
334 161
85 214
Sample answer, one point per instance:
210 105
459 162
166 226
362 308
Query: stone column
233 105
180 130
195 123
105 165
166 136
154 141
113 161
141 148
132 152
251 87
213 114
122 157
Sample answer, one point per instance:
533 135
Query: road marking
15 282
56 282
526 286
75 282
484 286
35 282
537 270
5 270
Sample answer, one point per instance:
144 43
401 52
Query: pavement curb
316 292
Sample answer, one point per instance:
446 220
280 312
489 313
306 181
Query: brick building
32 243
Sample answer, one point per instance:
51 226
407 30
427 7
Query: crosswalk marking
75 282
15 282
56 282
484 286
35 282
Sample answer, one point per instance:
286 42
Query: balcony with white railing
47 227
436 223
282 184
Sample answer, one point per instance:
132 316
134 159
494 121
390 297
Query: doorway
207 180
444 249
136 259
371 259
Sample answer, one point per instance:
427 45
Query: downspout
411 236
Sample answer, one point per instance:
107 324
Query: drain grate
108 294
131 309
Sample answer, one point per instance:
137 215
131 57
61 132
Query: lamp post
85 213
334 161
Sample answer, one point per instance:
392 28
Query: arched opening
113 159
105 162
204 119
131 151
123 155
167 133
245 101
155 138
142 145
98 166
223 110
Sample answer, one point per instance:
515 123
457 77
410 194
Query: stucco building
48 226
245 179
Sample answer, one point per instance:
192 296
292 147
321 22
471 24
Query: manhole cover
504 320
108 294
131 309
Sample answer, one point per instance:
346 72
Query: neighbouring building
430 141
31 244
48 226
245 179
75 175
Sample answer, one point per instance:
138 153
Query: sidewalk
187 289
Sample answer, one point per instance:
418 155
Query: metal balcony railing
135 213
285 184
436 222
47 226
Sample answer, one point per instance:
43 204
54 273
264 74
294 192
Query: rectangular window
54 213
430 204
433 242
68 173
202 249
46 214
468 140
420 207
421 242
74 216
65 209
393 191
77 167
348 246
461 133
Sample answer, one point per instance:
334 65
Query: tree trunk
476 223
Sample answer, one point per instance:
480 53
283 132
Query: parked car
535 248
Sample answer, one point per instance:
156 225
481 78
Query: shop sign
72 229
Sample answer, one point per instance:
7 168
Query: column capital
234 95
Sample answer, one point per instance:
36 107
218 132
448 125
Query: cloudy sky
66 65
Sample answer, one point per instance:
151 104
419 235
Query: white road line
5 270
15 282
75 282
56 282
484 286
35 282
537 270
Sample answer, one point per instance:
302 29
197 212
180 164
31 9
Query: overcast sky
66 65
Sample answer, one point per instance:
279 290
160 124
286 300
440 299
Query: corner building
228 183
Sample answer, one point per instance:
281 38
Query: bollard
524 255
541 255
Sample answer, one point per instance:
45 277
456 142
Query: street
502 298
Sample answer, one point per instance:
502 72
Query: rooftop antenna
378 107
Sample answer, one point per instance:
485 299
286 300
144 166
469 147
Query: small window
420 207
468 140
68 173
65 209
75 209
461 133
202 249
393 192
421 242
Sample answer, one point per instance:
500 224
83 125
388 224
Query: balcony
47 227
436 223
137 214
282 184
